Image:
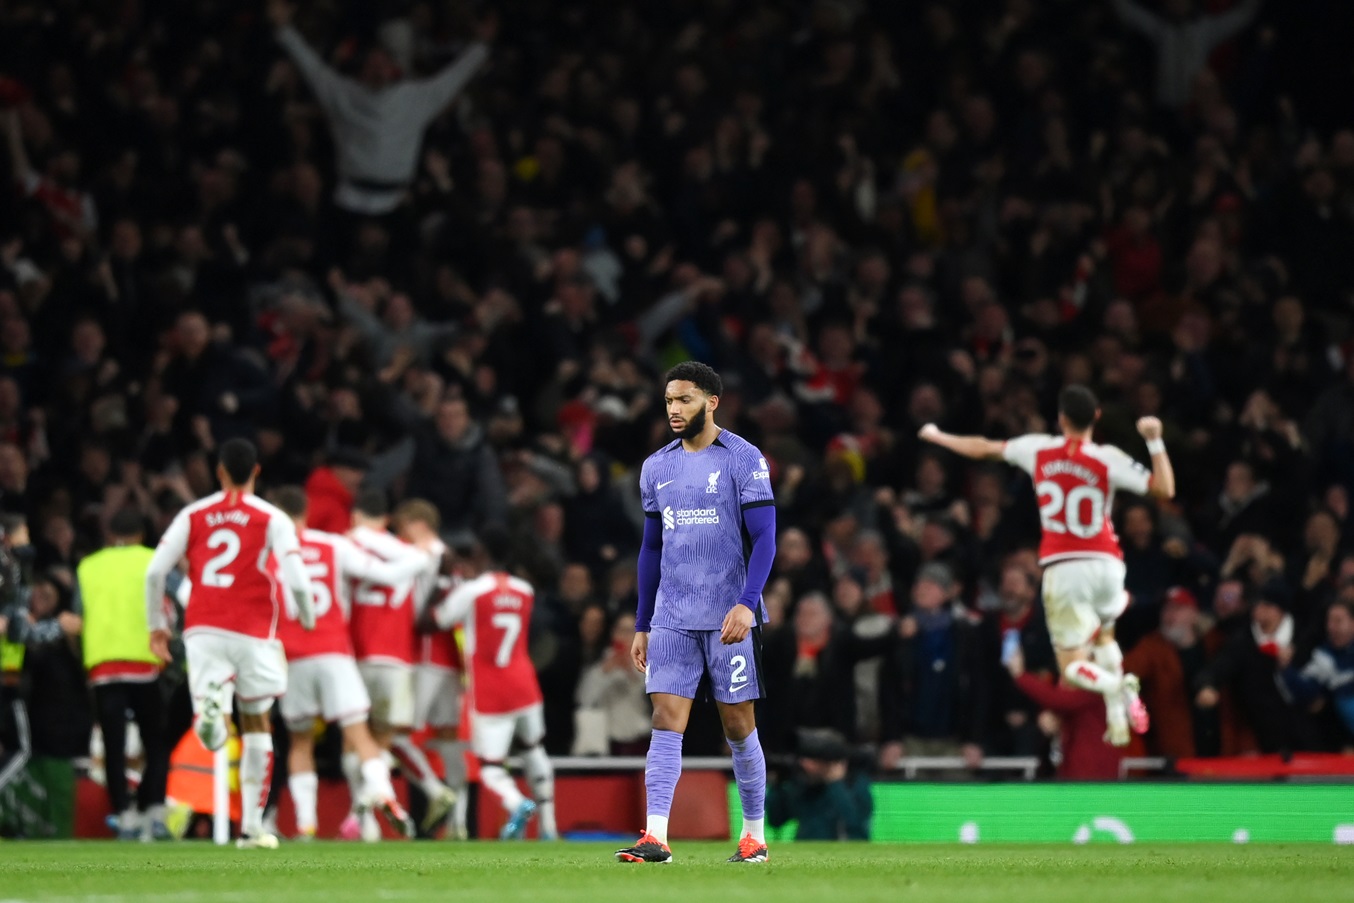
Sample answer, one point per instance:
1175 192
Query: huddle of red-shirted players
356 630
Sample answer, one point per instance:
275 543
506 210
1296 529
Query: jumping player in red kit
1075 480
230 624
495 609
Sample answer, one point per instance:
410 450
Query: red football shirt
1076 482
495 609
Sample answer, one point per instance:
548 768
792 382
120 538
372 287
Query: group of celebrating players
357 629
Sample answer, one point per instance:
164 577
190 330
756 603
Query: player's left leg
256 765
302 781
1107 654
261 677
736 679
400 717
437 706
451 749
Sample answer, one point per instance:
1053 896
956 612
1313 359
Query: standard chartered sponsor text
688 517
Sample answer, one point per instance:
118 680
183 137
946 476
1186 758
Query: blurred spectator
935 694
604 533
825 793
613 688
455 469
378 123
814 659
53 680
1018 626
1183 39
1250 664
1326 682
1169 662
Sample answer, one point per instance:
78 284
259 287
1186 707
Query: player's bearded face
693 426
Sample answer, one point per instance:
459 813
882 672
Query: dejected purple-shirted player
709 541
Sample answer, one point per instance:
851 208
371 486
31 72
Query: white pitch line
195 897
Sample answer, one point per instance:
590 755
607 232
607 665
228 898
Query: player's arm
454 609
975 447
650 562
407 564
1162 483
648 568
168 553
282 540
759 518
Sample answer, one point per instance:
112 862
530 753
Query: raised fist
1149 428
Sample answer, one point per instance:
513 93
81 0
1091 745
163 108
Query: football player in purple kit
709 541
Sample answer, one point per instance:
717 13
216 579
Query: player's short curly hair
238 457
1079 405
702 376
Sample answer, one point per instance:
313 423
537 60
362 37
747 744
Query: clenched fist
1149 428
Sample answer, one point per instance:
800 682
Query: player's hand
639 651
1149 428
737 623
929 433
159 646
1207 698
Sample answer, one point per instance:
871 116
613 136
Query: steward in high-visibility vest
124 673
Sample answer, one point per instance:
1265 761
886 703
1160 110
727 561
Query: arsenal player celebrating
324 681
230 626
1084 594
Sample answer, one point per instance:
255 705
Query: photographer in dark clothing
825 790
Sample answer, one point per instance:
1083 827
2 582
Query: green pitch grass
822 873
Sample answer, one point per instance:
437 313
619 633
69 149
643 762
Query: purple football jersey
700 498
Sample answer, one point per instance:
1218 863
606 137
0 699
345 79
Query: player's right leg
676 662
536 763
211 676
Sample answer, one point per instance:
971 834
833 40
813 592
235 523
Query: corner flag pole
221 796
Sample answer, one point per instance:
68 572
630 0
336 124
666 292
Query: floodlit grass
105 872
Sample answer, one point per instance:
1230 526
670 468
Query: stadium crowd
866 215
